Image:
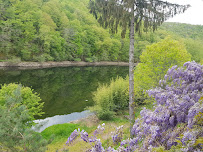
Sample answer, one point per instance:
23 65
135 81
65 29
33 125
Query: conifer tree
137 16
15 129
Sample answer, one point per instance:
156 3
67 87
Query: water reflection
66 89
47 122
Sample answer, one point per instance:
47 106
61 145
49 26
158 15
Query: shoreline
41 65
74 117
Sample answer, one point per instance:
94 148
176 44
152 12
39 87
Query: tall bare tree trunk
131 73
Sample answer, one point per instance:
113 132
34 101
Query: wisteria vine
177 101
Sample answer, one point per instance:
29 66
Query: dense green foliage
191 35
111 98
184 30
195 48
54 30
155 61
15 130
29 98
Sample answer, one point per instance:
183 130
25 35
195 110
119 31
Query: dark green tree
15 129
137 16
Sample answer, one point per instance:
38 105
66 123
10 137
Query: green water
64 90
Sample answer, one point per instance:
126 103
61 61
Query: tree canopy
54 30
155 61
148 14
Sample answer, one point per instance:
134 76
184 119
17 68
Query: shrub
155 61
29 98
111 98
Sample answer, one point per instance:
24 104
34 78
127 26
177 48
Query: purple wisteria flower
177 101
118 135
73 136
85 137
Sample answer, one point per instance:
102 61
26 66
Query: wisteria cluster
117 136
177 101
177 104
84 135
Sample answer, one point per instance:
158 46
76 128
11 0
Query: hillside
190 35
184 30
61 30
46 30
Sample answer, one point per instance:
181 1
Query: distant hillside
59 30
190 35
184 30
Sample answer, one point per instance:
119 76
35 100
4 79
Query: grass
58 134
63 131
59 131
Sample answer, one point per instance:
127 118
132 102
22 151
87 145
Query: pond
64 90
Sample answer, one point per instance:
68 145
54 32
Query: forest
61 30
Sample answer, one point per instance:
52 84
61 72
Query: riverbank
37 65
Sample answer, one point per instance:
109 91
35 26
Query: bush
105 114
111 98
155 61
29 98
